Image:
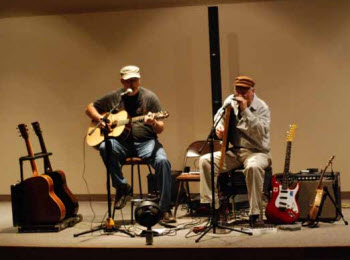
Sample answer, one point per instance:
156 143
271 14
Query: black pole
215 68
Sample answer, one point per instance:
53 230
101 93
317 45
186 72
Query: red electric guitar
283 207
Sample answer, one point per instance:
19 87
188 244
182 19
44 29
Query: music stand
109 225
213 219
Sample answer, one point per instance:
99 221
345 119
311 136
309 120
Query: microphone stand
213 221
109 226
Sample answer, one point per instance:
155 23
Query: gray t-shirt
143 102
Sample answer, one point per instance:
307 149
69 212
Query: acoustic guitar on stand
283 207
119 124
59 178
41 204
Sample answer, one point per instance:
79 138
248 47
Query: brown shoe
124 193
167 217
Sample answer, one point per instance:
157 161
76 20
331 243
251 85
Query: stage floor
181 236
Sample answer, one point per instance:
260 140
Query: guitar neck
130 120
47 162
38 132
31 154
319 185
285 180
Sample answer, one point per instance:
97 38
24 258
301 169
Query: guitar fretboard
130 120
319 185
47 163
285 181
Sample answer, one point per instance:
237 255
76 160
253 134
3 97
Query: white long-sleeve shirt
252 129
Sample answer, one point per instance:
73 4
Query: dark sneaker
167 217
121 197
255 221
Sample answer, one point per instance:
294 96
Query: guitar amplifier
308 183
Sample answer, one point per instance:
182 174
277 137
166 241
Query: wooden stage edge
53 253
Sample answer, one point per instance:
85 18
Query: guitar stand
109 226
324 196
17 211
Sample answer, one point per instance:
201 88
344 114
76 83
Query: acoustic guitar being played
119 124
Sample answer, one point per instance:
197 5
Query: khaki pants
254 165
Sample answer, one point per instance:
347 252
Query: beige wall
51 67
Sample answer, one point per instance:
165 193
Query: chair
136 161
194 151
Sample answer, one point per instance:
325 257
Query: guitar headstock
36 127
331 159
23 130
291 132
161 115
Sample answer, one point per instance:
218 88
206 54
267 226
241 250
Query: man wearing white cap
142 142
249 134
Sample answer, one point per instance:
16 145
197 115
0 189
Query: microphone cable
87 184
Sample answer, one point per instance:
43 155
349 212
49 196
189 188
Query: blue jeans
151 150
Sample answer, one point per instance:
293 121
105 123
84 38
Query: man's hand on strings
103 125
149 119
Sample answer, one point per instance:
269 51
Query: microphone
129 90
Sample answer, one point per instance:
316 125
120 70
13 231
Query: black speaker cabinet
308 183
17 194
